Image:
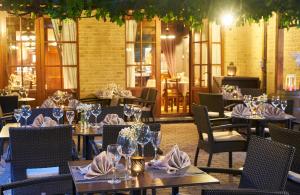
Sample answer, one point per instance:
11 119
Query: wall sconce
231 69
290 82
137 165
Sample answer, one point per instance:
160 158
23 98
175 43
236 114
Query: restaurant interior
124 97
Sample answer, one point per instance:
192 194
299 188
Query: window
140 53
207 59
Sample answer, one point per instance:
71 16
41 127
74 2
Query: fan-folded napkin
48 103
172 162
41 121
99 166
270 111
111 119
241 110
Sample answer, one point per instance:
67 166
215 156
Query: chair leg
230 159
196 156
209 159
78 143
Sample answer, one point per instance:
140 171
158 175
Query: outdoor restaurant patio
150 97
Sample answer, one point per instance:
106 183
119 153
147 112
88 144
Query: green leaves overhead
191 12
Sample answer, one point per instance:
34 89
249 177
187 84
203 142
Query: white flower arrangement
113 89
83 107
129 132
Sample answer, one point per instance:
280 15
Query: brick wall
243 46
271 54
291 46
101 55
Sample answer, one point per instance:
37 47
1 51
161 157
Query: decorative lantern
137 165
231 69
290 82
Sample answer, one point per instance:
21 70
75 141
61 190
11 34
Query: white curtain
68 51
3 41
131 27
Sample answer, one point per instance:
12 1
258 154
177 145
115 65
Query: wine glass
18 114
26 91
57 113
255 103
275 101
128 146
128 110
247 100
283 104
96 111
26 112
87 115
114 152
137 114
144 136
70 114
155 140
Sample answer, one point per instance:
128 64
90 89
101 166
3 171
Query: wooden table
141 182
87 134
4 133
261 122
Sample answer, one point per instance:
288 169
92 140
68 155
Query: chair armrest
221 170
230 126
220 120
229 107
28 182
241 191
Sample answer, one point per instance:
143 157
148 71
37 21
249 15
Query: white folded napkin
99 166
48 103
241 110
270 111
172 162
111 119
73 103
41 121
125 93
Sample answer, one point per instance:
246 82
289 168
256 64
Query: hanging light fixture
167 35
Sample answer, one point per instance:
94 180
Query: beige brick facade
101 55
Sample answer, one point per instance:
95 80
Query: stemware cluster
129 145
133 110
276 102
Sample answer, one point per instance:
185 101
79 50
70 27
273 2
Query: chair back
202 121
8 103
240 192
40 148
144 93
152 95
254 92
213 101
111 132
288 137
46 112
267 164
109 110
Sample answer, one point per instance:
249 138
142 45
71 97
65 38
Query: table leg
175 190
86 147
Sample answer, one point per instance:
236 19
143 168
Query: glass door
207 60
174 69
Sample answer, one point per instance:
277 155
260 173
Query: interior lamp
231 69
290 82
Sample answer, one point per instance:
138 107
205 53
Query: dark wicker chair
149 105
39 148
212 140
254 92
266 166
110 135
8 104
37 111
241 192
35 181
292 138
214 103
93 99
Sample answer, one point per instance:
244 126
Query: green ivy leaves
191 12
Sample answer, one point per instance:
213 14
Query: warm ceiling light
227 19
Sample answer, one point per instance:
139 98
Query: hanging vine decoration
191 12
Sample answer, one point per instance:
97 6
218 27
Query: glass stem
127 159
155 153
142 146
95 120
114 173
25 122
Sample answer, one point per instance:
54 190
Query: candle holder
137 165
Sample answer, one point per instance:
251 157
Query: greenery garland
191 12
